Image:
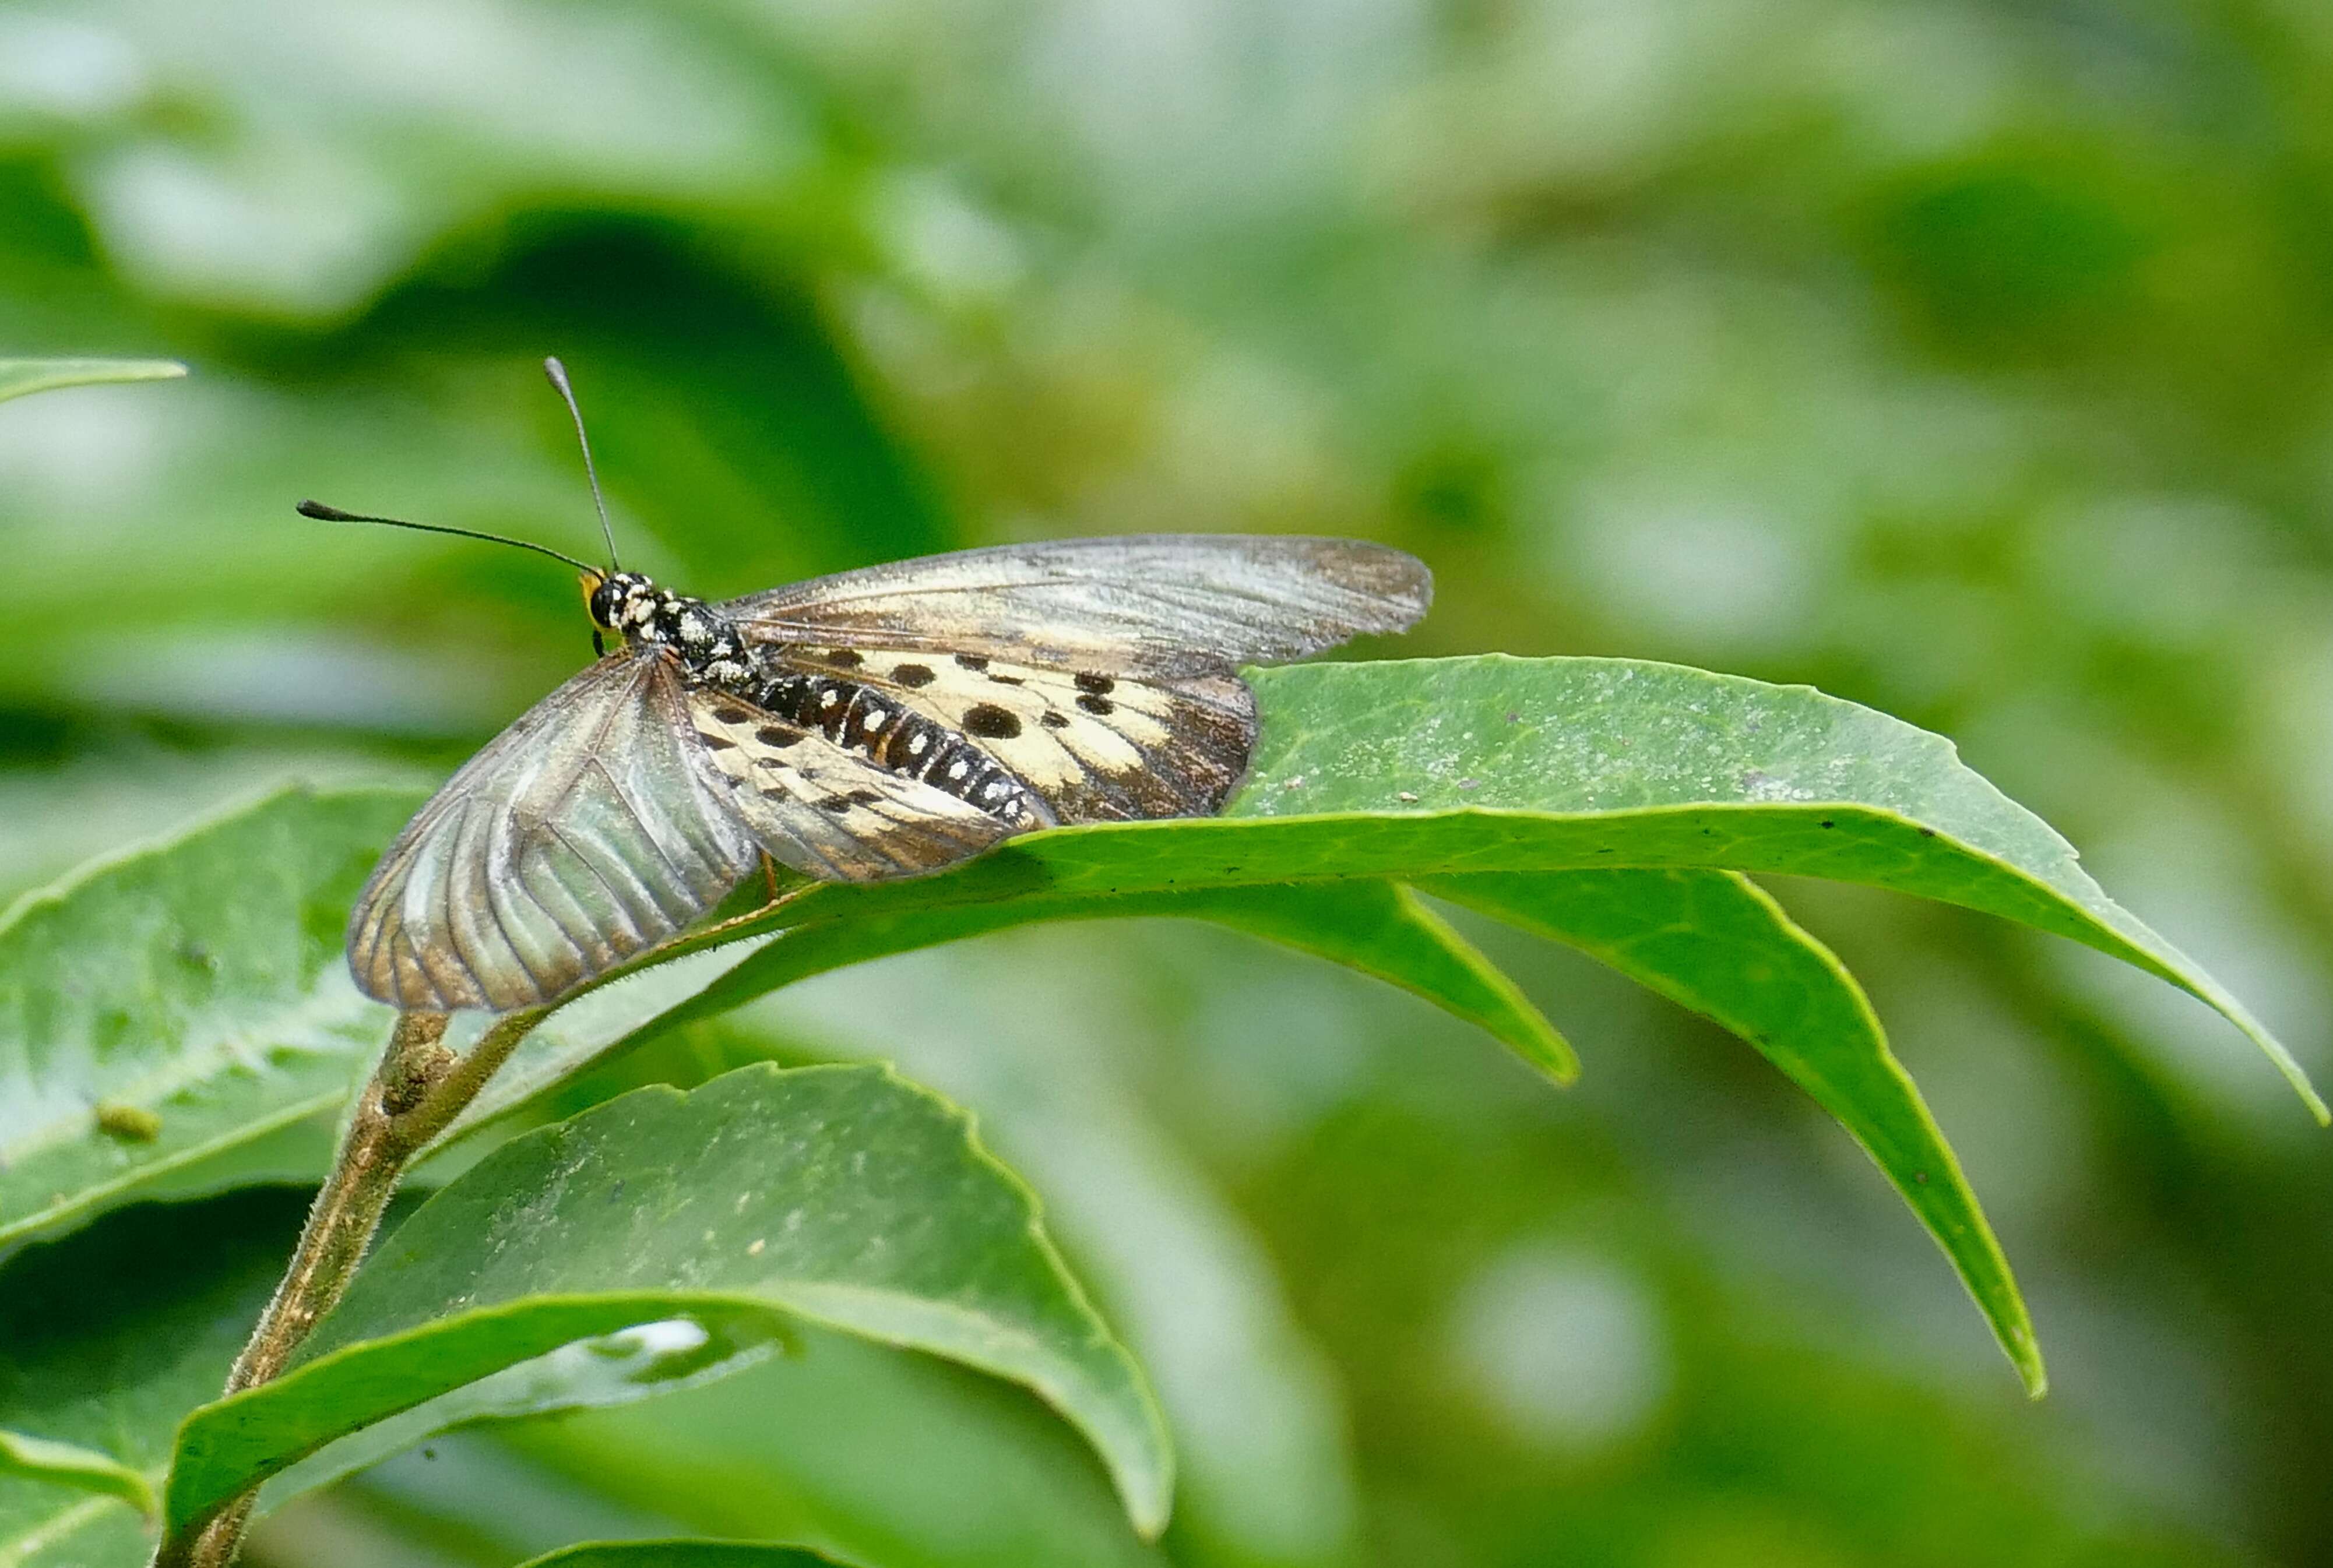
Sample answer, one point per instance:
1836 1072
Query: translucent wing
833 815
612 814
1156 605
589 830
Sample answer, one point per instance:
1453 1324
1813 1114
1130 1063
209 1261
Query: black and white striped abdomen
859 718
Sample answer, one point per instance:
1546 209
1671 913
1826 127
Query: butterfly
886 722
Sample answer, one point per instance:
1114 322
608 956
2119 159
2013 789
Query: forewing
1160 605
828 812
589 830
1094 747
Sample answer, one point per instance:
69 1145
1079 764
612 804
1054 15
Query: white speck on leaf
1763 788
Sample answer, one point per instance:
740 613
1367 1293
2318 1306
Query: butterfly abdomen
859 718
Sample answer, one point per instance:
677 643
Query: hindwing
828 812
1093 747
585 833
615 812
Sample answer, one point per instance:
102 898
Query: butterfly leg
778 898
778 901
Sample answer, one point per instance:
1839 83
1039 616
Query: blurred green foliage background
1968 359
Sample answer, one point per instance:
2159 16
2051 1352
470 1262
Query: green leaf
114 1334
640 1362
1263 1470
161 981
1384 930
682 1554
1717 944
199 983
21 378
71 1465
1366 924
836 1196
1604 763
1436 767
858 1452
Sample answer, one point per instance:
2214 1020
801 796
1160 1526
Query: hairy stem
414 1095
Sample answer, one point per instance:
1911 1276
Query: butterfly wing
589 830
612 814
1093 748
1151 604
1102 672
829 813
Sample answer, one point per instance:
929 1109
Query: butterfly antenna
557 372
323 514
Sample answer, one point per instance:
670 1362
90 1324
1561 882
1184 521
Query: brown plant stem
414 1095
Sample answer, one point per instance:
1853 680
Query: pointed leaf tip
1716 942
21 377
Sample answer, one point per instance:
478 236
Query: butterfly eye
600 597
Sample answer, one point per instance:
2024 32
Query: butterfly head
622 601
634 608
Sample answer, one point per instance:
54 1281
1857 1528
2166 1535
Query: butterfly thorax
707 644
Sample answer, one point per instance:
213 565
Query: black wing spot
1099 686
1099 707
838 803
774 735
1052 721
732 715
971 661
718 742
845 658
864 797
991 722
913 676
1006 681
